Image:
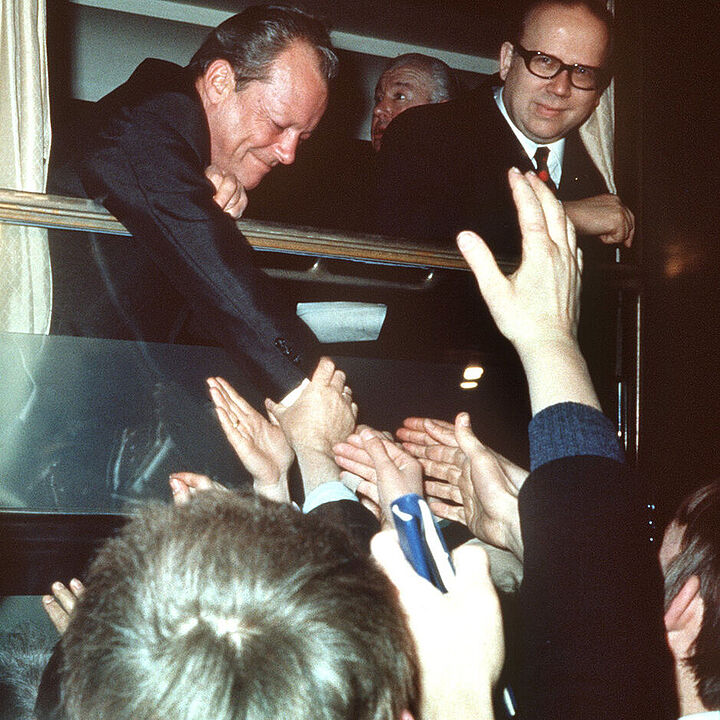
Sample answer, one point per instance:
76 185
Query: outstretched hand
489 486
397 473
458 635
538 306
434 444
184 485
260 445
322 416
60 605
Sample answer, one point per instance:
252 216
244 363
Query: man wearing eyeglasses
443 168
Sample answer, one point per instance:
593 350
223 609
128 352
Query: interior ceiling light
473 372
468 384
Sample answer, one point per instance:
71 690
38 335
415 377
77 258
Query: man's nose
383 109
560 84
287 147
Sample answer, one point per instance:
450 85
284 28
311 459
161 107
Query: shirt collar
557 148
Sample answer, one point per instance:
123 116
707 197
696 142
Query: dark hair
445 84
236 607
597 8
251 40
699 516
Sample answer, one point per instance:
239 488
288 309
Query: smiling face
546 110
253 130
397 90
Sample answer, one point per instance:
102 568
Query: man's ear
684 618
406 715
506 57
218 80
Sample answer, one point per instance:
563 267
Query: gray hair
251 41
233 607
445 84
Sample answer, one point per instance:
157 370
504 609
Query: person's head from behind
556 67
236 607
690 561
407 81
263 77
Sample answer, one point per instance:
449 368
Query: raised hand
60 605
260 445
397 473
184 485
489 488
537 307
322 416
458 635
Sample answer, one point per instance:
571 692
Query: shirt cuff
293 395
325 493
570 429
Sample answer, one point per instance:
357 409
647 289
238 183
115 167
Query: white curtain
598 133
25 279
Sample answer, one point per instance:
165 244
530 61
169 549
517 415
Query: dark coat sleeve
591 600
147 167
359 523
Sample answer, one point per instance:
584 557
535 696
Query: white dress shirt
557 148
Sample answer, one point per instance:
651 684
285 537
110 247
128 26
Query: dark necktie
541 158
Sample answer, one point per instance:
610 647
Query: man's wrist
316 467
556 372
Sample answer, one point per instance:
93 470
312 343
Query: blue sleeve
570 429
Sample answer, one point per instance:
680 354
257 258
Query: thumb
275 410
466 438
478 256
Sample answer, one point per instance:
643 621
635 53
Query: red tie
541 158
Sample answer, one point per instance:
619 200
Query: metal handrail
52 211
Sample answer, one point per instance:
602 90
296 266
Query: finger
77 587
370 491
553 212
443 433
64 596
442 491
237 400
490 280
337 380
214 175
373 507
58 617
363 470
419 437
466 437
237 206
194 481
180 491
275 410
418 423
350 480
354 453
446 472
324 371
456 513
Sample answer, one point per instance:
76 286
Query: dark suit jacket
591 601
443 168
144 160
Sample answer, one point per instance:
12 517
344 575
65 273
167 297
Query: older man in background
407 81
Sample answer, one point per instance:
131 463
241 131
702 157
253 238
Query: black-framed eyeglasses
540 64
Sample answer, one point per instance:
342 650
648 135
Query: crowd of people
262 604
